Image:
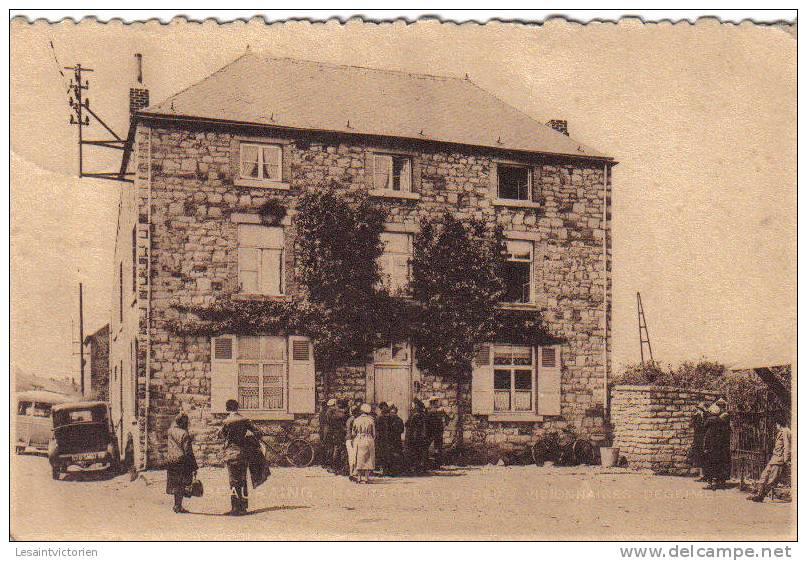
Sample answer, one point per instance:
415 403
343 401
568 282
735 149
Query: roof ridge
360 67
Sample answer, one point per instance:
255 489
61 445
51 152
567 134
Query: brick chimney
138 93
559 125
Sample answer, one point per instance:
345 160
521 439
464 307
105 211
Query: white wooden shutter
223 371
482 382
548 385
301 376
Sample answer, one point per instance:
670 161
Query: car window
22 407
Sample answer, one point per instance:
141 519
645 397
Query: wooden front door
392 377
392 384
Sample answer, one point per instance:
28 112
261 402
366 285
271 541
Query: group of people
711 449
357 439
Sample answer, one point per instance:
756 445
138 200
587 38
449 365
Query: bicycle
298 452
564 449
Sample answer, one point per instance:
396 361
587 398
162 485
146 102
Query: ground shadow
251 512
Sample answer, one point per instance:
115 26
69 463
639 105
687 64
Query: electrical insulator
86 121
87 103
72 120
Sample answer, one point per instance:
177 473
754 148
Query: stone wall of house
98 360
188 175
651 426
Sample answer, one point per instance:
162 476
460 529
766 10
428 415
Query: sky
702 119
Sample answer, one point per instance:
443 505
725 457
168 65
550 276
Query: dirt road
524 502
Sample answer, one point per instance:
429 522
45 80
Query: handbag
194 489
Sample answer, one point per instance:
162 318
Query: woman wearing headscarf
717 446
698 424
181 462
363 434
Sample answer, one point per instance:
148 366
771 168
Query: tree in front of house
339 301
456 285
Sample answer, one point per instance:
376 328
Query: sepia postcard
420 279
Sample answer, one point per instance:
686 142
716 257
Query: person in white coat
363 434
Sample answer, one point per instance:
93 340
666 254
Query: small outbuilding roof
298 94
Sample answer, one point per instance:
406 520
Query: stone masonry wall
194 260
651 426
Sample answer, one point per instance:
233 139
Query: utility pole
78 104
81 334
644 335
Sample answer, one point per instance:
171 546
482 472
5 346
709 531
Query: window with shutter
260 259
513 378
262 367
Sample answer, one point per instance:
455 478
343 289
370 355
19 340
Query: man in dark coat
394 442
337 430
417 438
717 446
436 420
382 429
698 424
241 452
326 438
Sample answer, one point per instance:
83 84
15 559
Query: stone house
96 385
258 132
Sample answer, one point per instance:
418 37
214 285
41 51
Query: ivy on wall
340 302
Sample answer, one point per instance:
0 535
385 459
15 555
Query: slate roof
297 94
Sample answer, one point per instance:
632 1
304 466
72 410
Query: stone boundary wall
652 426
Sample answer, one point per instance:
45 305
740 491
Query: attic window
261 161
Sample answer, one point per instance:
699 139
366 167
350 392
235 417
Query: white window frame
387 263
260 362
499 197
262 253
533 367
390 157
260 147
531 261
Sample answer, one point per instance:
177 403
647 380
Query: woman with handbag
181 463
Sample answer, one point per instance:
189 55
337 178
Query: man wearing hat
417 439
382 437
780 457
338 433
436 419
395 444
326 426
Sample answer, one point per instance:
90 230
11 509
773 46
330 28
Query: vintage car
33 426
83 439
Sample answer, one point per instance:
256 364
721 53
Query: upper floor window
392 173
395 262
261 161
260 259
514 182
518 272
